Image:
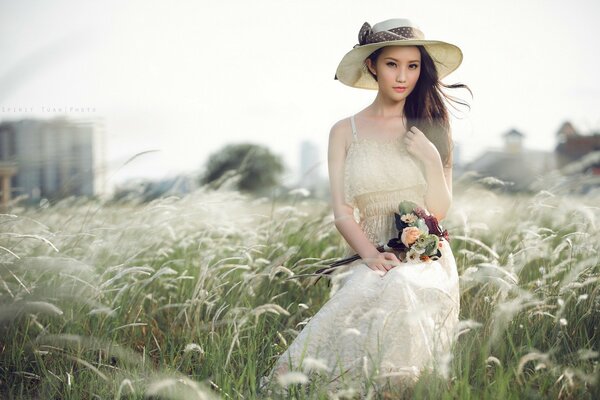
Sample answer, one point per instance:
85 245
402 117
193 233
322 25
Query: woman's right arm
343 213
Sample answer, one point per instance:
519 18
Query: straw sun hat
352 70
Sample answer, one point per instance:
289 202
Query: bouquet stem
343 261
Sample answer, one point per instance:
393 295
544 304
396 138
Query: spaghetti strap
354 133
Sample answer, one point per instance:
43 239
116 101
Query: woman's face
397 67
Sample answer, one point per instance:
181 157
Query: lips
400 89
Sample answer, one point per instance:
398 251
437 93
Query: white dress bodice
378 175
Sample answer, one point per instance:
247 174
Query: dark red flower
433 225
435 228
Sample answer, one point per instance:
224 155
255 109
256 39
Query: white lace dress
386 327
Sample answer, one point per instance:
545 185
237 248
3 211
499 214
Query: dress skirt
384 328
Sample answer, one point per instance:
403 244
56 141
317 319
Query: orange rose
410 235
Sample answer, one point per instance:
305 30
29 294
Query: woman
386 320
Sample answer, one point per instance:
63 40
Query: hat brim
352 70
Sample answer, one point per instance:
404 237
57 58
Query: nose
401 77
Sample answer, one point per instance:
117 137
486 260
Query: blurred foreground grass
194 297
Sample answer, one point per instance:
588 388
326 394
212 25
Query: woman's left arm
438 197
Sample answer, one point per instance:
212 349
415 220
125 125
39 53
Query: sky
185 78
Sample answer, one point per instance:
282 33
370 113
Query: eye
390 63
414 65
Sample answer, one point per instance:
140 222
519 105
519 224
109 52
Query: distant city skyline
184 79
51 158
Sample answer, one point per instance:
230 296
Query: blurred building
573 147
310 169
574 154
309 163
51 158
456 154
513 163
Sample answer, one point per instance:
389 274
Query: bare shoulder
342 127
341 132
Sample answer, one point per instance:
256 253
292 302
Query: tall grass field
194 297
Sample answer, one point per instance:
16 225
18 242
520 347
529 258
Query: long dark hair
425 108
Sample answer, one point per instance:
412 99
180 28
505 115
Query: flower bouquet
419 235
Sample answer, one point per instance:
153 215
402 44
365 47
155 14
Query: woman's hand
382 262
419 146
